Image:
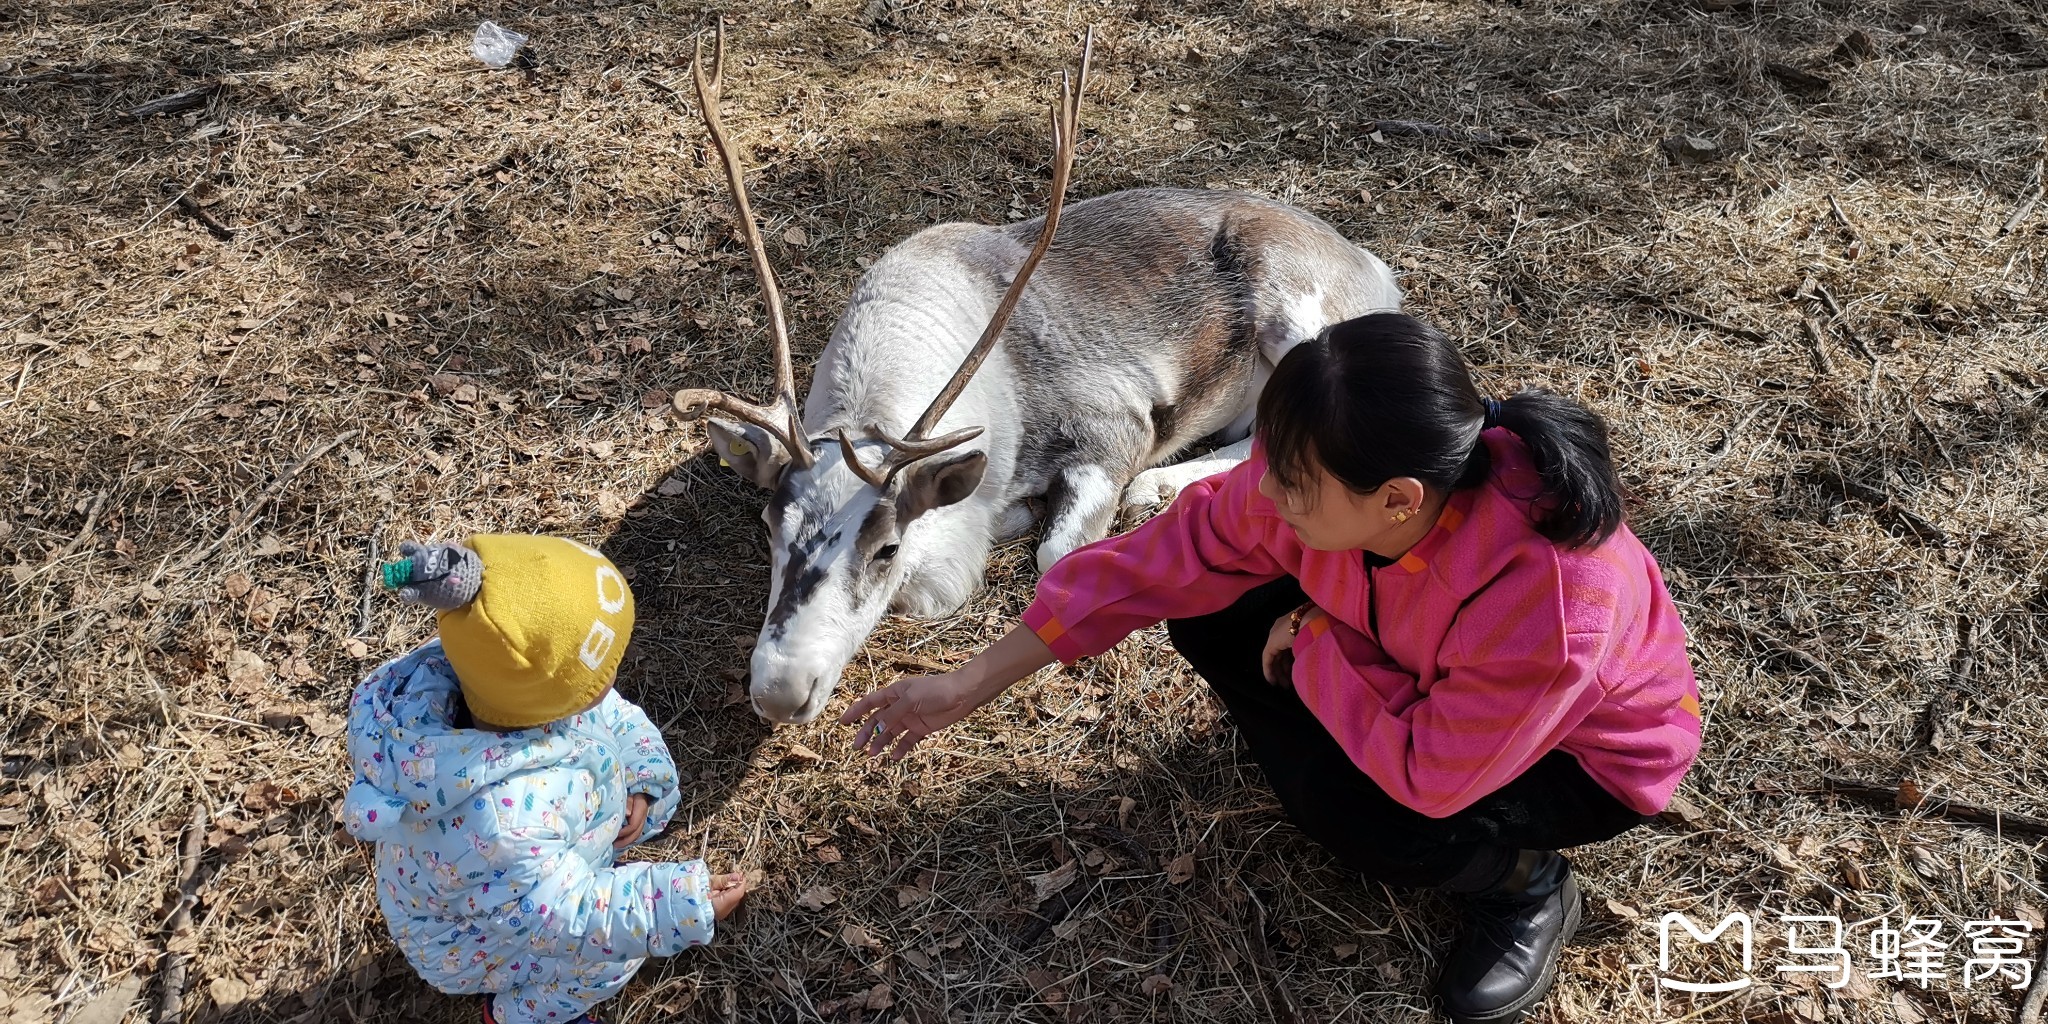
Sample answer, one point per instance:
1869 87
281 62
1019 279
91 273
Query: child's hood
412 765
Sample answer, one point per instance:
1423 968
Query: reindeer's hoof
1143 493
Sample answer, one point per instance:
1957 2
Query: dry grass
1850 519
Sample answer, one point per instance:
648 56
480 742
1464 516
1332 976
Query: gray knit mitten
444 576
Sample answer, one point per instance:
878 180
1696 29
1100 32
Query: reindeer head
843 519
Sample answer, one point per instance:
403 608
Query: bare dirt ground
359 288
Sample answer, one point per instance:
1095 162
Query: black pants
1553 805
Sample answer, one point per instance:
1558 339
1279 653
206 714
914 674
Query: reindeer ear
751 452
937 482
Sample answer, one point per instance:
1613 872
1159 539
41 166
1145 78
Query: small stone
1691 149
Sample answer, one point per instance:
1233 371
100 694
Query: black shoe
1515 927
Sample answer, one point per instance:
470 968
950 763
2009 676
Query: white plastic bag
495 45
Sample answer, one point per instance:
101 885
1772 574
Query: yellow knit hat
543 638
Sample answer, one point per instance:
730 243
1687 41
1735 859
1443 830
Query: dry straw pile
285 282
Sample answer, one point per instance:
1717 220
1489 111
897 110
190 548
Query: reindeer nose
788 689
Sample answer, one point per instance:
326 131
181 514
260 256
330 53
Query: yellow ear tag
724 463
742 448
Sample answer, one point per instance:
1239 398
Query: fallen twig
371 581
1883 504
1448 133
92 516
2037 991
170 1006
1842 216
1289 1009
190 207
1907 797
1688 316
1801 81
1841 319
905 659
1818 343
176 102
2019 214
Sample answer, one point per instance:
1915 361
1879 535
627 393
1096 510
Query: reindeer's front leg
1158 486
1080 503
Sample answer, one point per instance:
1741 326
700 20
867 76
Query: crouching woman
1428 621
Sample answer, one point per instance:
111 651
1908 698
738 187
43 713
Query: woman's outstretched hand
894 718
898 716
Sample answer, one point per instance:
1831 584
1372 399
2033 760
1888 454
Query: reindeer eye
886 552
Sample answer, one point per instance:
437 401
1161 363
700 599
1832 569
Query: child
499 774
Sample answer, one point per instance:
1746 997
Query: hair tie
1492 415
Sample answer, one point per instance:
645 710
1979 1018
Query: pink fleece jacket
1495 645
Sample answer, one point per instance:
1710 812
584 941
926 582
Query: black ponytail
1568 444
1386 395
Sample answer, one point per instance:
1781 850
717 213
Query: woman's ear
1404 494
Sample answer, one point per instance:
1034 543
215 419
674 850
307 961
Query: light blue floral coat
494 850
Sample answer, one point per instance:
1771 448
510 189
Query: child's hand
636 820
726 893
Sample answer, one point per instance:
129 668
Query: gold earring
1402 516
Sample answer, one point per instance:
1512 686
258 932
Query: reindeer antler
783 422
1066 134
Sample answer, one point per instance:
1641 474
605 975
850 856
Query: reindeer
1150 326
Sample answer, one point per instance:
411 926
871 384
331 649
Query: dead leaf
110 1006
237 584
51 893
1344 950
828 854
909 895
1124 806
670 487
1925 863
1181 868
804 754
857 937
466 394
355 648
1623 910
1045 885
264 797
1045 985
268 545
817 898
1906 1010
881 997
797 236
1858 988
246 671
227 993
1683 811
916 959
1156 984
